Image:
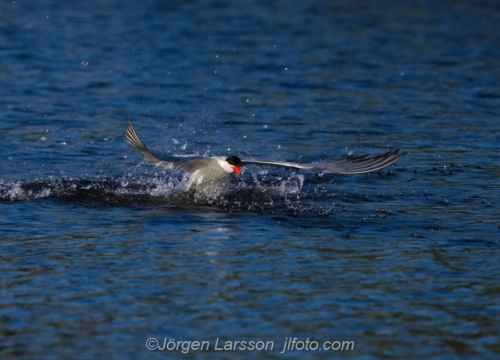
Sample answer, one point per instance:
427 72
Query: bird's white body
210 173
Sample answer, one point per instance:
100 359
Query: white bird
214 173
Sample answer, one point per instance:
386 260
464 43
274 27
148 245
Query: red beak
236 169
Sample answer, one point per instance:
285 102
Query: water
101 251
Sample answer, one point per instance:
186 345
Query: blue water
101 251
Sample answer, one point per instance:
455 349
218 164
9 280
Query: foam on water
129 190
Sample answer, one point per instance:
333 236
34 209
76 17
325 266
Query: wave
254 194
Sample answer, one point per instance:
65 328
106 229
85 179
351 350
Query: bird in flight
215 172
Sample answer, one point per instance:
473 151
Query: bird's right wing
348 165
134 141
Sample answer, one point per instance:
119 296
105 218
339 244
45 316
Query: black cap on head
233 160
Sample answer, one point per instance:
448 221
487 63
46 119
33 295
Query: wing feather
134 141
348 165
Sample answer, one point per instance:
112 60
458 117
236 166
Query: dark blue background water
99 253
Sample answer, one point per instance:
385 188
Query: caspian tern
213 173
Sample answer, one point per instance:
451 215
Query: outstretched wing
348 165
134 141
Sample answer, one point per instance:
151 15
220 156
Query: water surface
101 251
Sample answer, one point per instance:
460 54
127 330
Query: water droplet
286 69
43 138
264 126
63 143
215 71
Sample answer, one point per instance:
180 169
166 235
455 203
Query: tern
215 172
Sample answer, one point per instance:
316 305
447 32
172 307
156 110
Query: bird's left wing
348 165
134 141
